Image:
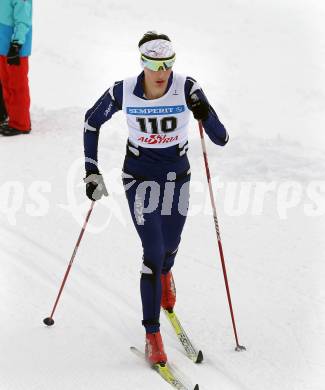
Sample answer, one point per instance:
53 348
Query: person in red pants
15 48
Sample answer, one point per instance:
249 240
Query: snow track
275 272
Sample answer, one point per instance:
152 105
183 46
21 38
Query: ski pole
216 224
49 320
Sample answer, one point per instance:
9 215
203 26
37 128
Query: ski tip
199 358
196 387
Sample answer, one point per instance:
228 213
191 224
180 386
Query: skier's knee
169 260
150 270
171 253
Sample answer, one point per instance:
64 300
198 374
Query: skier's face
157 80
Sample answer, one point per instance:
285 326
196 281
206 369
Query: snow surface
253 56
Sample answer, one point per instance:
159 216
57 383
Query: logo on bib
157 139
158 110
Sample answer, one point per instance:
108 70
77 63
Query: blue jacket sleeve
22 16
212 125
106 106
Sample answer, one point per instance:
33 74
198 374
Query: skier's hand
200 108
95 186
13 53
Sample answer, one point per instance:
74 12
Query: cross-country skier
156 171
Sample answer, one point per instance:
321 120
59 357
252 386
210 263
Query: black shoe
4 120
8 131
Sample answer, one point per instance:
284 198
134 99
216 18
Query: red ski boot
155 353
168 296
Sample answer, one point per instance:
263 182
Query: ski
190 350
166 372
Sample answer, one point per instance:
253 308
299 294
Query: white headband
158 48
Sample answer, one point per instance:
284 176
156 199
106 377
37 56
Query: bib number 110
166 124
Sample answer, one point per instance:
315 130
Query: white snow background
261 64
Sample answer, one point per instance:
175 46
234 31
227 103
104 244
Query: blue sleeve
107 105
22 15
212 125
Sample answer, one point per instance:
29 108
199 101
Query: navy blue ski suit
164 172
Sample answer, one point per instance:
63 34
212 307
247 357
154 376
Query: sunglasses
157 64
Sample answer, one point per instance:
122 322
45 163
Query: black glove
95 186
200 108
13 53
